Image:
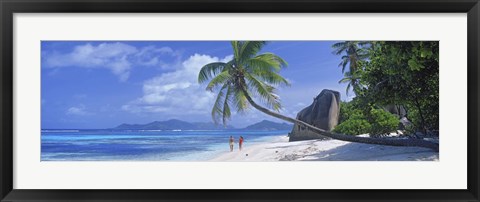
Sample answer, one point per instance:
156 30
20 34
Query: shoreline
279 149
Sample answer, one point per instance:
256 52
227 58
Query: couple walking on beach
232 142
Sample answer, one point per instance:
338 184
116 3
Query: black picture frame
9 7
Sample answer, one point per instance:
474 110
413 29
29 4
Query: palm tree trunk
349 138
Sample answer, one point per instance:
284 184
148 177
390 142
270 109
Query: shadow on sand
367 152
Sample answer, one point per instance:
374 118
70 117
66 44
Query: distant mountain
269 125
211 126
175 124
172 124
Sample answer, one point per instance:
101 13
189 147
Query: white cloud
79 110
177 92
117 57
150 56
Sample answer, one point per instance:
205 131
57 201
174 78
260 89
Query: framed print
239 101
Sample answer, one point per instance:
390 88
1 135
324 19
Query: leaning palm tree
251 74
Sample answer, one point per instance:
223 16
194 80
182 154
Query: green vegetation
357 124
383 122
347 109
404 74
354 121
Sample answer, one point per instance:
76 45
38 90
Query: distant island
175 124
269 125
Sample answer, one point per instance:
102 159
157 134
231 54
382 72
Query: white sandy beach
279 149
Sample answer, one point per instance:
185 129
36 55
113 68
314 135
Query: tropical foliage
356 120
353 56
382 122
404 74
353 122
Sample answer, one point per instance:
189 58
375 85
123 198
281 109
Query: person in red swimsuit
240 142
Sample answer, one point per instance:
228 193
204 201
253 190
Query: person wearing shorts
231 142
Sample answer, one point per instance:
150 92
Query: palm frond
268 61
265 92
344 63
236 49
210 70
218 80
339 47
348 88
240 100
365 43
271 78
226 108
217 110
345 80
250 49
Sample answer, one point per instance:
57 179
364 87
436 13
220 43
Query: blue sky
101 84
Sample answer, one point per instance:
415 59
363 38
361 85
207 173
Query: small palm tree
250 73
353 81
353 55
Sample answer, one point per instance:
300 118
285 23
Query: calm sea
143 145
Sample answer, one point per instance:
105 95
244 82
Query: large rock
323 113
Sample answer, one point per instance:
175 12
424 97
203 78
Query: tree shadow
367 152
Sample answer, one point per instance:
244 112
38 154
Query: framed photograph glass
229 101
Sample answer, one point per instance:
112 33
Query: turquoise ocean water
143 145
